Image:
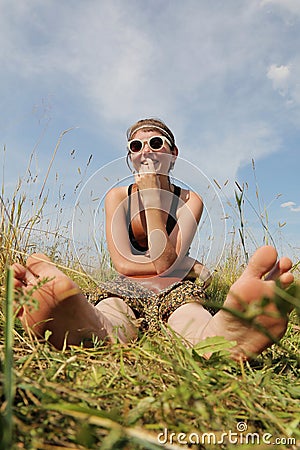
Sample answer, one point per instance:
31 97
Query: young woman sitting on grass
149 228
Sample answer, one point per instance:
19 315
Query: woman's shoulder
115 194
192 201
190 196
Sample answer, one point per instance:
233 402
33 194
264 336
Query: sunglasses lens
156 143
136 146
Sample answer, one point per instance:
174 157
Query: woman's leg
121 319
189 321
57 304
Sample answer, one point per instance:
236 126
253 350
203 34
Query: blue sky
223 75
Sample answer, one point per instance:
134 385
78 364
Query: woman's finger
150 165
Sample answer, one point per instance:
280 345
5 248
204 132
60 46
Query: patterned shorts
149 307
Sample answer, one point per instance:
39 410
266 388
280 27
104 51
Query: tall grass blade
7 437
52 160
240 203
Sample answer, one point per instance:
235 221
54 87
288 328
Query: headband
156 127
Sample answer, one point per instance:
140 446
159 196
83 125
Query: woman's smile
146 161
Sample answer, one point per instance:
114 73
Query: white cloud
291 205
280 76
287 204
293 6
285 80
221 155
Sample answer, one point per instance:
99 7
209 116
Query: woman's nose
146 148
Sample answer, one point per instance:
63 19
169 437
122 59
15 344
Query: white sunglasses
156 143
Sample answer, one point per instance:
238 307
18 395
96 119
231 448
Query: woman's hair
151 125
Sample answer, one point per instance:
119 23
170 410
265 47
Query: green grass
118 397
135 397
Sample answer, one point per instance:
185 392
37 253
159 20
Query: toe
19 271
286 279
282 266
285 264
22 276
37 258
39 264
261 262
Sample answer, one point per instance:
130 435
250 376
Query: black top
171 221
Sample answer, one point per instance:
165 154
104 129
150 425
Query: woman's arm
162 250
166 253
118 239
188 216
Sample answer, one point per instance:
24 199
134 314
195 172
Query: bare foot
61 307
266 324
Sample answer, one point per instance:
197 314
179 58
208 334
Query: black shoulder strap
171 222
132 239
129 192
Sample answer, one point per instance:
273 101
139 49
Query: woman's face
161 159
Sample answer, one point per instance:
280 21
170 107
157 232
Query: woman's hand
200 271
148 184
